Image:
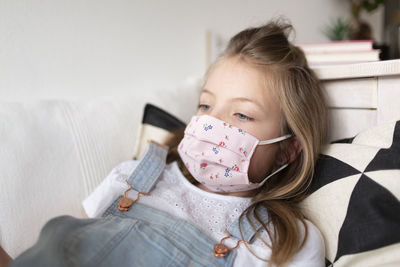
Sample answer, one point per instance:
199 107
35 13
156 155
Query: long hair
304 115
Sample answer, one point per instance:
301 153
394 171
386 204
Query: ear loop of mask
275 172
278 139
271 141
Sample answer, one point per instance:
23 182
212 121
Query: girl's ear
293 149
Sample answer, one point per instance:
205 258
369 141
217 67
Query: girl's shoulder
314 235
122 170
109 188
313 251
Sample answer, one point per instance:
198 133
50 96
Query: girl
228 194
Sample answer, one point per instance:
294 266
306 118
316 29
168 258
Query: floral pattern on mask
243 151
235 168
215 149
241 131
222 144
207 127
203 165
212 176
228 173
218 154
227 125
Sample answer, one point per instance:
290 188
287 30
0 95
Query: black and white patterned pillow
157 125
354 198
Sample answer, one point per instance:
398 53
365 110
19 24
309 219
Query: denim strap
149 168
246 225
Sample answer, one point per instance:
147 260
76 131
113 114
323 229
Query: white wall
82 49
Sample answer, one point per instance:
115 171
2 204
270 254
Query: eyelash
243 117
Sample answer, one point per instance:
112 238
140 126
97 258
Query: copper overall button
125 203
220 250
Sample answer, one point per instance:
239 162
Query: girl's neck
250 193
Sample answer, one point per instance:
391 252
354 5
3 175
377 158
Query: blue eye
204 107
243 117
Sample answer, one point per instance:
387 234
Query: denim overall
141 236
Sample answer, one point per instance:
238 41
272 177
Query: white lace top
211 212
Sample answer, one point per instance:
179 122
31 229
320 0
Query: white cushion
354 198
55 152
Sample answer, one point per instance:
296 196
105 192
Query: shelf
359 70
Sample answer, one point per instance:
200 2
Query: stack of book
339 52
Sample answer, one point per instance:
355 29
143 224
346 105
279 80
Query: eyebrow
240 99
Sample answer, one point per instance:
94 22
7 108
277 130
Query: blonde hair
304 115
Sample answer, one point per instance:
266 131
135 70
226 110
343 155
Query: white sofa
55 152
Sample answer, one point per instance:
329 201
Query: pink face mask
218 154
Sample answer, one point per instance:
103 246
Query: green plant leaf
338 30
371 5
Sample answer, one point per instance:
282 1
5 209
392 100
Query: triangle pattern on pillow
385 159
372 219
330 169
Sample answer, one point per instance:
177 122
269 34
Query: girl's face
236 92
